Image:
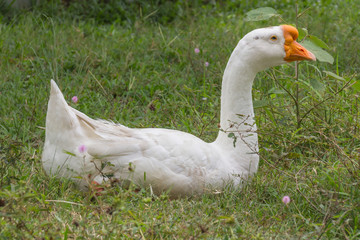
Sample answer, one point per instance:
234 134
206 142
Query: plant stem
298 120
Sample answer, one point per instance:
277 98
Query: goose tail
63 136
59 114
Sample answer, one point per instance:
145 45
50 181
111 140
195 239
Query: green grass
142 71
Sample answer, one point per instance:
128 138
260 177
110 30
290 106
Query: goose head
268 47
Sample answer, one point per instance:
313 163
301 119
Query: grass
142 71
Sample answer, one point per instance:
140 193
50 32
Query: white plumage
171 160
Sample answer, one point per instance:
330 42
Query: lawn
135 64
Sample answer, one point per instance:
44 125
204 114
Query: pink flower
286 200
82 148
207 64
74 99
197 50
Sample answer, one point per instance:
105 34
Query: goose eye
273 38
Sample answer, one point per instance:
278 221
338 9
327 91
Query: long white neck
237 135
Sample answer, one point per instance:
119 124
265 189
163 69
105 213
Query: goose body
88 150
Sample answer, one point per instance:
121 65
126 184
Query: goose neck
236 99
237 135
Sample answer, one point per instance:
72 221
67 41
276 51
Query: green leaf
260 103
261 14
311 87
293 155
356 86
276 91
331 74
70 153
318 42
227 219
320 54
146 200
66 233
303 32
232 135
317 85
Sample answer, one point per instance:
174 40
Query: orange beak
294 51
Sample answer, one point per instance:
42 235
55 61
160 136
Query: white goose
88 150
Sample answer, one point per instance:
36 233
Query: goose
95 151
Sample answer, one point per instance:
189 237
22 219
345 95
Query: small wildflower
204 98
74 99
197 50
206 64
82 148
286 200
